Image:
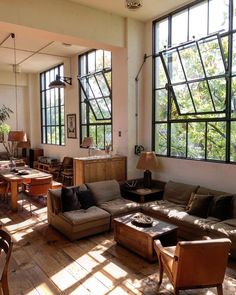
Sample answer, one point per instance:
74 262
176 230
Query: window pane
179 27
216 140
99 60
233 142
233 98
94 86
196 140
218 15
183 99
201 97
107 59
91 62
174 66
95 109
92 133
108 138
84 132
212 57
178 139
161 79
108 77
83 113
234 55
161 105
62 115
100 137
195 29
191 62
102 84
161 139
161 33
108 101
62 135
103 107
218 92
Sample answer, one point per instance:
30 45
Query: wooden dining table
16 177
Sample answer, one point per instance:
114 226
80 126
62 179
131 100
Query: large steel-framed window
52 108
194 93
96 97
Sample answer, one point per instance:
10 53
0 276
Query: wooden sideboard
92 169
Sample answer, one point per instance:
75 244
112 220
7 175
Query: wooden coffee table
140 239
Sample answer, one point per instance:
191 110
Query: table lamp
147 161
15 137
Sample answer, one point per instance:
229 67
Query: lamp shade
147 161
23 144
17 136
87 142
57 84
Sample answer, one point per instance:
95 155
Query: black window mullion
206 139
205 75
169 85
87 79
187 139
102 92
186 81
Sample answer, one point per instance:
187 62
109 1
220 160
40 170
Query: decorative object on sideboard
147 162
88 143
60 82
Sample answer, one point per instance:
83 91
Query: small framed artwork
71 126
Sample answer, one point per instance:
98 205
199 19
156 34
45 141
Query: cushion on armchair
178 193
104 191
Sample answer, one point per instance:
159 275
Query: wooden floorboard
45 262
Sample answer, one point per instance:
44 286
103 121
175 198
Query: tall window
95 97
194 95
52 108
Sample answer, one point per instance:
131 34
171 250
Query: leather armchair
194 264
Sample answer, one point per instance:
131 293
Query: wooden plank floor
45 262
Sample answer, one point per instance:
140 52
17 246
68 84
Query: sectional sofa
82 222
197 211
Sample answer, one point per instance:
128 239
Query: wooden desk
15 178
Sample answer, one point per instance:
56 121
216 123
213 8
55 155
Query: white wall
18 103
213 175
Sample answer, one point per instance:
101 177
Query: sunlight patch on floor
115 270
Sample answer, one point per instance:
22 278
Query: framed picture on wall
71 126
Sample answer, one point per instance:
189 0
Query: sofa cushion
120 206
86 198
200 205
55 197
69 199
178 193
161 207
201 190
221 207
104 191
80 217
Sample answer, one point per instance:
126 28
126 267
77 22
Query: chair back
6 245
200 263
67 163
39 186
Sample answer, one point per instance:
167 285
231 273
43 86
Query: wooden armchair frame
194 264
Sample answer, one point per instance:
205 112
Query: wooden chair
194 264
4 189
65 172
38 187
6 245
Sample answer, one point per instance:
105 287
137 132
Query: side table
143 195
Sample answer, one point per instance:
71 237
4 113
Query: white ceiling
35 54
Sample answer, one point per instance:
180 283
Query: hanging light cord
15 75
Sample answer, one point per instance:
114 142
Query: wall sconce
60 82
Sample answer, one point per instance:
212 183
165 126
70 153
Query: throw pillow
221 207
86 199
200 205
69 199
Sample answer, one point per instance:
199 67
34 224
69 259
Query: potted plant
4 127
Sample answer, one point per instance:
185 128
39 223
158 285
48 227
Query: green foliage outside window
195 82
